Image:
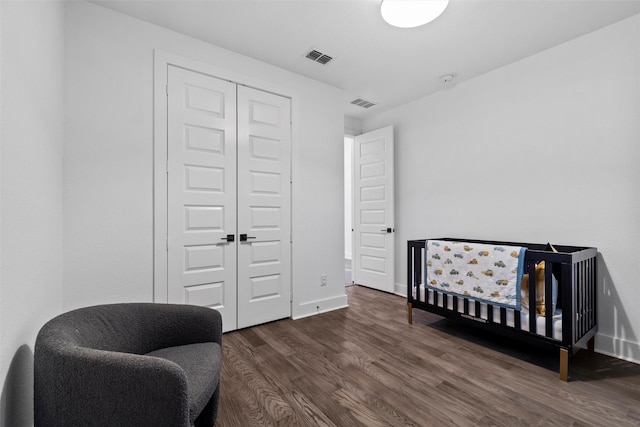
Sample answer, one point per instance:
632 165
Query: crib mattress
541 321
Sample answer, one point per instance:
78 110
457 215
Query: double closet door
228 198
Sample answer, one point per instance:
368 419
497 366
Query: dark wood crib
572 268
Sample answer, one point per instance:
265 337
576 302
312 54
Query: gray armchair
137 364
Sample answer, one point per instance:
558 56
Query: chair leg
564 364
410 313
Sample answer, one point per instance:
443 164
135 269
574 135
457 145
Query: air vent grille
363 103
317 56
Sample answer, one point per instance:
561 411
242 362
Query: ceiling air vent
319 57
363 103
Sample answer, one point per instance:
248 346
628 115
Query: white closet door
264 193
201 183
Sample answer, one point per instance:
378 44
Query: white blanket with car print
490 273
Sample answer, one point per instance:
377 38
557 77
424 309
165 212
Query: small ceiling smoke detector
363 103
319 57
447 79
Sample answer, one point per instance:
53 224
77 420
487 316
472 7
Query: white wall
545 149
108 162
31 192
352 126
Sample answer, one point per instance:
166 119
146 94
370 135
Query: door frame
161 62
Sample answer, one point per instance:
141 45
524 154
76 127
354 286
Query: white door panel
264 194
229 163
201 181
373 262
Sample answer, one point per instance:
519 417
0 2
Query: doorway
348 210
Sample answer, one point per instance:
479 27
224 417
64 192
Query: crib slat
548 299
592 292
567 289
532 297
417 265
592 286
584 298
411 282
581 298
586 312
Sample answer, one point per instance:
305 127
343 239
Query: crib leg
591 344
410 313
564 364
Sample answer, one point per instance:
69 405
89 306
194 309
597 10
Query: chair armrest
192 324
81 386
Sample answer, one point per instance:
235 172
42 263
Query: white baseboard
325 305
617 347
400 289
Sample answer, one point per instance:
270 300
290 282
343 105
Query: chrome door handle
229 238
244 237
388 230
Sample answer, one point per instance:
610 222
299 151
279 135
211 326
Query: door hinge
167 244
166 167
166 89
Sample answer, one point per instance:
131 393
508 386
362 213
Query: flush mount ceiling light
411 13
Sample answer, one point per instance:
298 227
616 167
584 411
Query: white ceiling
372 60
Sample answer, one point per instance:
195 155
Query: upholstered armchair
137 364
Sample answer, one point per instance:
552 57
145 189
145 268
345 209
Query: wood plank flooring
366 366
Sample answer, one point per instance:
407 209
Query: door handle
244 237
229 238
388 230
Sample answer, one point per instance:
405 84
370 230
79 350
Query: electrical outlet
323 280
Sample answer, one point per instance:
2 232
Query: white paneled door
264 182
201 194
374 210
228 176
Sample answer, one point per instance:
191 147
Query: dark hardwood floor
366 366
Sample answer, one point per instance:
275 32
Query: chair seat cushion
201 364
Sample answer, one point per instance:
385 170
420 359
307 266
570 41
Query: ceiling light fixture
411 13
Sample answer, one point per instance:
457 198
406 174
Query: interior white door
201 192
373 210
264 218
